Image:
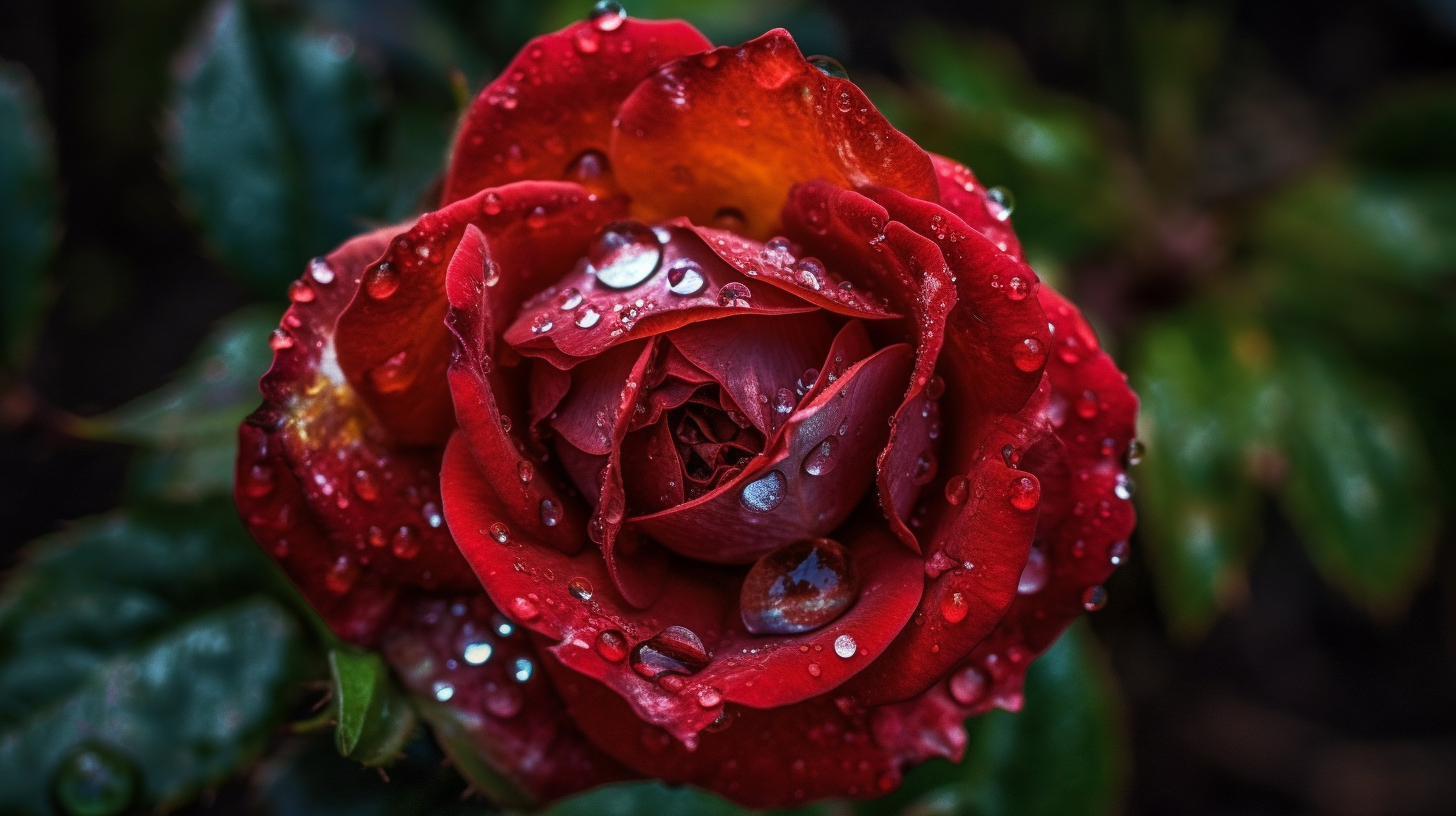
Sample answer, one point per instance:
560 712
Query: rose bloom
711 431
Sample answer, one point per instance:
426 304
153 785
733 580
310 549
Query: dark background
1297 702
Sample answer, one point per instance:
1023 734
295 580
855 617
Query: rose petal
557 99
963 195
450 651
743 125
807 505
392 341
312 458
753 358
650 308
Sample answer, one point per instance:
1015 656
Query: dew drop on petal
674 650
821 458
957 488
1125 487
953 606
685 277
623 254
968 685
1094 598
1034 574
550 513
845 647
734 294
1000 203
1025 492
829 66
580 588
764 493
500 532
1117 553
798 587
611 645
587 316
1028 354
1135 452
381 281
607 15
300 292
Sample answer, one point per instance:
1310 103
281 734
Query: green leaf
460 742
1408 132
269 140
28 206
1064 753
189 427
150 638
1360 489
1211 413
375 718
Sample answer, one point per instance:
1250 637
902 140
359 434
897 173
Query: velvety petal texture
711 431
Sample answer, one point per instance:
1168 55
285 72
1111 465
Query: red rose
773 458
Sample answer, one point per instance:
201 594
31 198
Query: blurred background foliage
1255 205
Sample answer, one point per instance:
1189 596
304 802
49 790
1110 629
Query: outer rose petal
963 195
485 686
556 99
743 125
393 344
543 589
312 458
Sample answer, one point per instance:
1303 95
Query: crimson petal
774 500
963 195
743 125
557 99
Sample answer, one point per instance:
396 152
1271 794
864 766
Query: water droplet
300 292
502 625
569 299
1135 452
522 669
1034 574
806 381
541 324
764 493
829 66
968 685
591 170
924 468
1125 487
624 254
259 481
95 781
319 270
607 15
580 588
784 401
550 513
525 471
821 458
392 375
524 609
364 486
536 219
611 645
280 339
935 388
587 316
845 647
500 532
1087 405
810 273
798 587
1094 598
709 697
685 277
956 490
341 575
734 294
477 653
674 650
953 606
1025 492
1017 288
1028 354
1000 203
381 281
406 543
492 204
1117 553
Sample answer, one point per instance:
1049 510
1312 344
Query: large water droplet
1028 354
611 645
580 588
953 606
828 66
968 685
381 281
734 295
1034 574
1000 203
587 316
675 650
821 459
477 654
1125 487
845 646
95 781
685 277
624 254
1025 492
608 15
764 493
956 489
798 587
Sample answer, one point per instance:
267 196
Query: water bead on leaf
624 254
675 650
798 587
